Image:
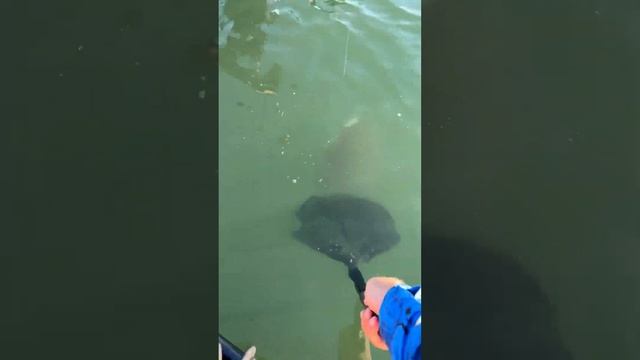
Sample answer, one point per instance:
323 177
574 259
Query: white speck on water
310 155
244 138
351 122
80 47
203 78
295 181
313 164
282 153
399 114
294 93
320 180
202 94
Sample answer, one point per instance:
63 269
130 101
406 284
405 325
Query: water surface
312 101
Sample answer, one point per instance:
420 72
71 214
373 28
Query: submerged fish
354 157
346 228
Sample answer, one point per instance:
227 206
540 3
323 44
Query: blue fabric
401 322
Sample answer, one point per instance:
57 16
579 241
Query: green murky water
312 102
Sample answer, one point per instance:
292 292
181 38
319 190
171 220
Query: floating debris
295 181
266 92
399 114
352 122
80 47
285 140
202 94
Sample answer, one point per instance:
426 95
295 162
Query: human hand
377 288
371 328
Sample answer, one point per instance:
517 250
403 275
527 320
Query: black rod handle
358 282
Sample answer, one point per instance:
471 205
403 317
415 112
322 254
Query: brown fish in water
354 157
